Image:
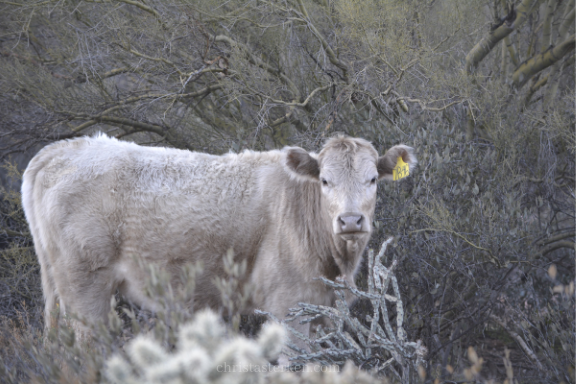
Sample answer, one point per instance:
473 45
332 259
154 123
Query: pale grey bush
206 353
374 343
488 211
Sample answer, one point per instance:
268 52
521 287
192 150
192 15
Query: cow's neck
347 254
339 257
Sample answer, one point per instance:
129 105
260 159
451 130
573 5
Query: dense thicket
484 90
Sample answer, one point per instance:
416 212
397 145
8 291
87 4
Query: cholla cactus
272 338
206 330
205 354
373 346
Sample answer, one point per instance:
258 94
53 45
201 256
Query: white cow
93 203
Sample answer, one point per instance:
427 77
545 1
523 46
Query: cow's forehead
348 145
348 154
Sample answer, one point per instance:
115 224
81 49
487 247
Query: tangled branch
380 344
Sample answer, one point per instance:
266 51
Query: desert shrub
484 226
479 226
372 342
175 344
205 354
20 290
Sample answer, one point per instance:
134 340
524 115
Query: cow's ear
300 163
388 161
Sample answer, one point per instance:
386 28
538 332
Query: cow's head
347 170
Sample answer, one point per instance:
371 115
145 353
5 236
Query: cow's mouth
348 236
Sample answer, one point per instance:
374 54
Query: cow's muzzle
349 223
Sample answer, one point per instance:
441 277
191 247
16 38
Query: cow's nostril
359 222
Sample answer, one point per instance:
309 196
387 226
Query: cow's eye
373 181
324 182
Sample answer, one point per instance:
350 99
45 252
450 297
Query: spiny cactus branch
377 345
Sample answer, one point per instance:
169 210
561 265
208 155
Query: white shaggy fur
94 203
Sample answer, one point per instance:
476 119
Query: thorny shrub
485 227
177 345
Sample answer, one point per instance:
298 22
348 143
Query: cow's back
96 205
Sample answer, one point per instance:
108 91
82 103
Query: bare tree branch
541 61
512 22
520 341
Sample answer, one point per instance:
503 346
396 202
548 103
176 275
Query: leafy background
484 90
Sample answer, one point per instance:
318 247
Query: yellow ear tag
401 170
